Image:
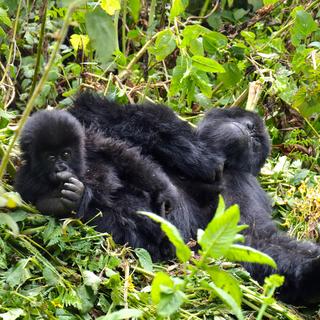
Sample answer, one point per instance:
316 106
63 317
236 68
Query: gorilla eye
66 155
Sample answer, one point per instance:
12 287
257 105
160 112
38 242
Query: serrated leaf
110 6
207 64
220 233
144 259
239 252
183 252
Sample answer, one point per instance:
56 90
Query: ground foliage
263 56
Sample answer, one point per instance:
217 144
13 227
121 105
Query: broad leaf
144 259
239 252
101 32
207 64
178 7
164 45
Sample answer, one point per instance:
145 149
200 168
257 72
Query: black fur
155 129
117 179
242 140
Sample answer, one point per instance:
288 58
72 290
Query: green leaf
5 219
4 18
51 277
102 35
207 64
177 7
227 299
122 314
91 280
214 41
18 274
134 7
227 282
268 2
160 279
110 6
12 314
202 81
239 252
303 26
220 233
232 76
191 33
182 250
164 45
170 303
144 259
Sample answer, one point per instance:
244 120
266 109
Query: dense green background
262 56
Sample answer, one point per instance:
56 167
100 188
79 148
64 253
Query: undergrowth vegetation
192 56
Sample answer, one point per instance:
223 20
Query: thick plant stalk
40 85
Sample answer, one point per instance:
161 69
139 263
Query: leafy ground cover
263 56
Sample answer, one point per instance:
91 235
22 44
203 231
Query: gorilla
68 169
104 162
241 139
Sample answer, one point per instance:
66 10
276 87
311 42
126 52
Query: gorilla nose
60 167
249 124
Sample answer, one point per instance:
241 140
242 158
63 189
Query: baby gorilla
241 139
68 169
53 163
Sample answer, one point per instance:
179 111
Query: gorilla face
239 135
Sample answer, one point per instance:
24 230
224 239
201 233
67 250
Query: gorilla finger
68 203
76 182
64 175
70 195
70 186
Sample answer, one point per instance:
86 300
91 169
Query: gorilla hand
72 190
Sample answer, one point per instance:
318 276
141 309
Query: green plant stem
40 44
11 168
116 25
204 8
15 28
41 83
151 15
124 23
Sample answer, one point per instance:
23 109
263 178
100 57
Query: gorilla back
242 140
